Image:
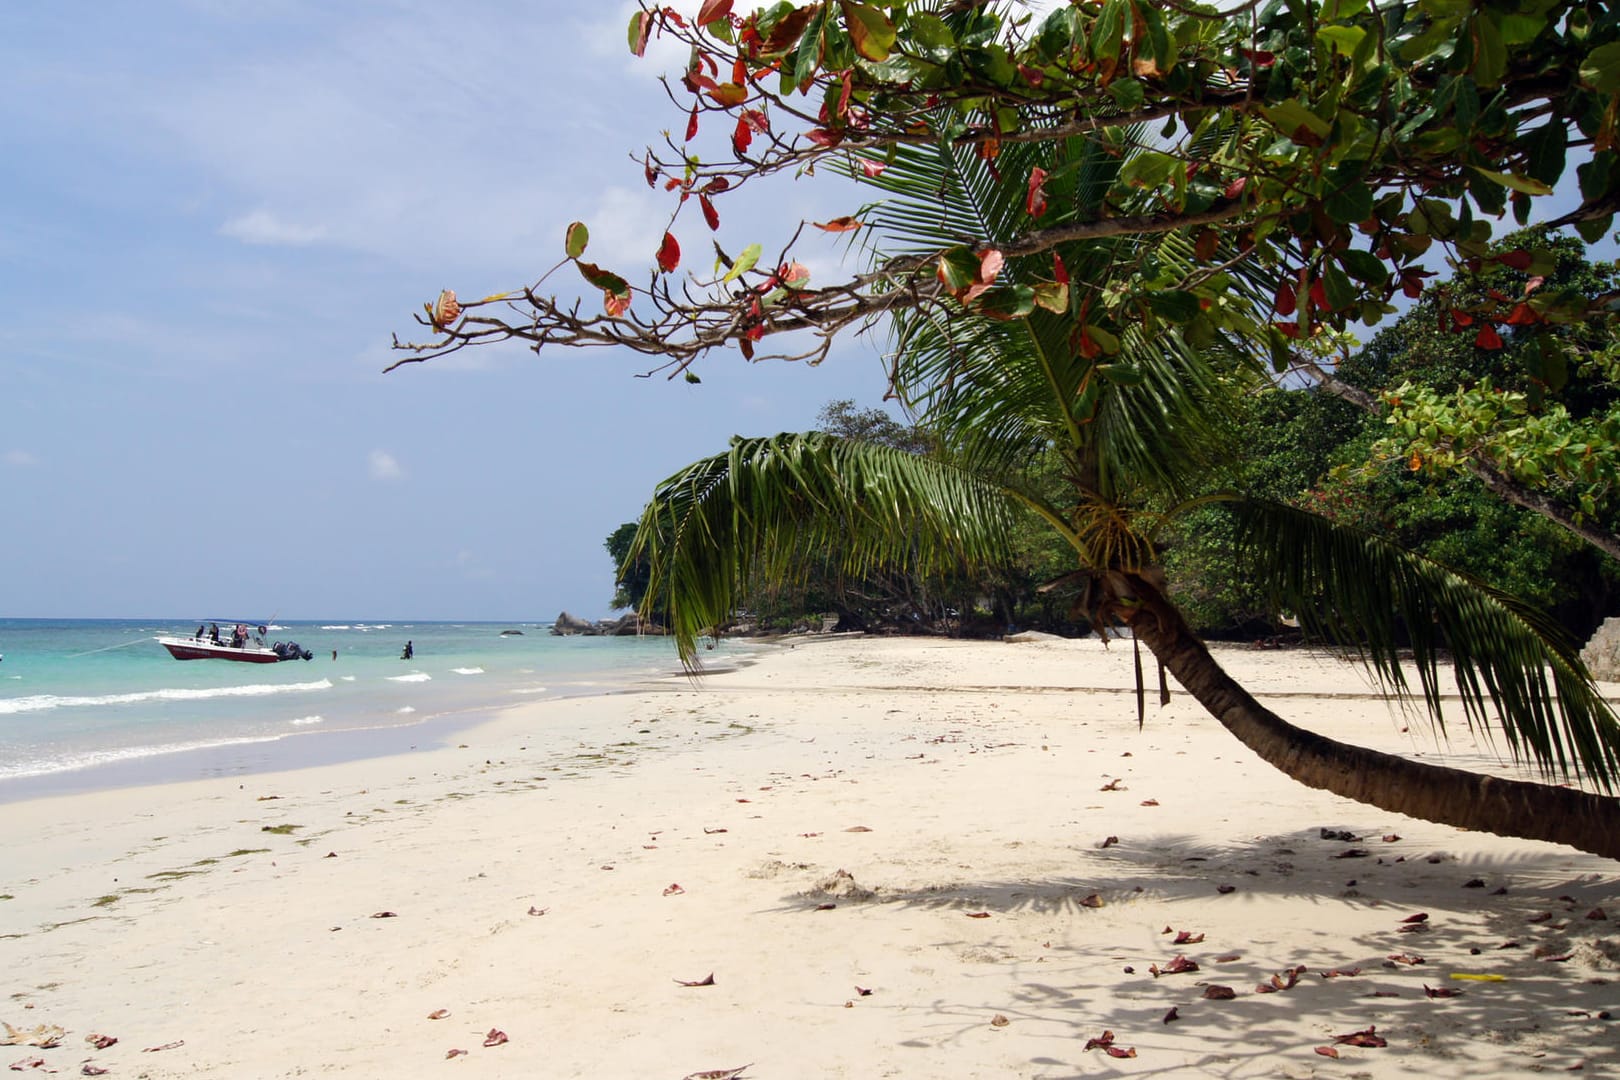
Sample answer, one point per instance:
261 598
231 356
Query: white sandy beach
894 857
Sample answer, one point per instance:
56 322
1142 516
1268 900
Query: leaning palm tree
1136 422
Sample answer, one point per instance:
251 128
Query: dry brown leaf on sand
537 910
1187 937
27 1063
495 1037
1109 842
92 1070
438 1014
1171 1015
999 1021
1368 1036
101 1042
454 1054
1441 991
1219 993
716 1074
1327 1051
384 915
707 980
673 890
43 1036
166 1046
977 914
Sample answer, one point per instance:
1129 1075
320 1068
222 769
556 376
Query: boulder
566 624
1602 653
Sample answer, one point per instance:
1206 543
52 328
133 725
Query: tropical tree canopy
1347 147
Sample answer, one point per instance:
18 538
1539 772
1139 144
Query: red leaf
825 138
1327 1051
1517 260
1522 315
651 171
691 124
1060 273
1187 937
1120 1051
1368 1037
1259 57
641 27
741 136
729 95
1285 302
1422 916
990 264
1460 319
870 167
669 254
1033 76
1235 188
712 10
1488 338
839 224
709 214
495 1037
1035 201
615 304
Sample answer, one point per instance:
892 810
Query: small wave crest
415 676
468 670
91 758
405 710
305 721
40 702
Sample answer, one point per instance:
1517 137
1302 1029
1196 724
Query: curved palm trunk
1431 792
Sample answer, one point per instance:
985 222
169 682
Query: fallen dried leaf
495 1037
1340 972
710 832
1352 853
1109 842
857 828
863 991
1171 1015
1120 1052
1094 900
1327 1051
1227 958
43 1036
999 1021
1420 917
1187 937
1150 802
1390 838
384 915
1407 958
707 980
825 907
538 910
1540 917
27 1063
454 1053
1179 966
716 1074
165 1046
977 914
1596 913
100 1042
1112 785
673 890
1441 991
1219 993
1224 889
1366 1037
92 1070
438 1014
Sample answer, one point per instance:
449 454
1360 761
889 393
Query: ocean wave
405 709
40 702
415 676
91 758
304 721
530 690
468 670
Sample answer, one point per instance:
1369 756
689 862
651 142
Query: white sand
556 877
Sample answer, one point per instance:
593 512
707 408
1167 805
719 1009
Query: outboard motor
291 650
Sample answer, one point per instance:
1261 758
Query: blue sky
214 215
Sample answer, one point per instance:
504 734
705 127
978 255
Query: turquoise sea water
98 703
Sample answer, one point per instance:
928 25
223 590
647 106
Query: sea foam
40 702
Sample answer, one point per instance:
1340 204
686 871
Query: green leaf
1053 296
1105 339
807 58
1006 302
958 268
745 261
575 239
1601 68
1290 115
1108 32
1174 305
869 29
1121 374
1364 266
1490 61
1341 294
605 280
1525 184
1128 94
1344 39
1349 204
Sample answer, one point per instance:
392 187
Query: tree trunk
1432 792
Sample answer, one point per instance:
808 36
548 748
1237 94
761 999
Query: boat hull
202 649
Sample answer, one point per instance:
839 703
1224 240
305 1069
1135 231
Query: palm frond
764 502
1354 588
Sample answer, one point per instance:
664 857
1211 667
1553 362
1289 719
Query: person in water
409 652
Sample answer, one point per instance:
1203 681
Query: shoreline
948 825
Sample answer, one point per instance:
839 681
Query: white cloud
263 227
20 459
384 466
